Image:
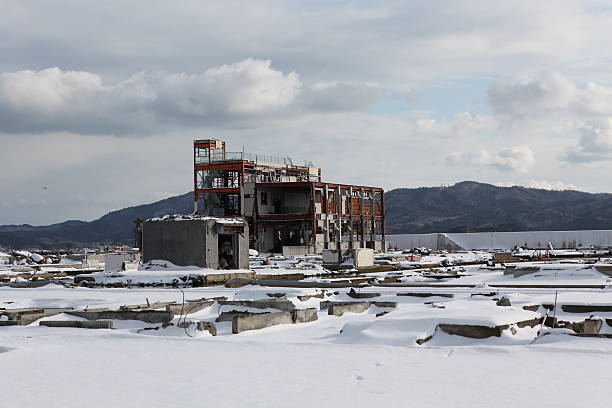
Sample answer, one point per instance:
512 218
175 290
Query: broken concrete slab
8 323
424 294
304 298
147 306
260 321
26 319
229 316
78 324
352 307
149 316
263 320
209 327
362 295
588 326
503 301
277 295
383 304
586 308
471 331
328 303
188 307
224 278
304 315
261 304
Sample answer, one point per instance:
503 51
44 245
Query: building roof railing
252 157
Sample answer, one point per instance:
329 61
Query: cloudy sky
100 100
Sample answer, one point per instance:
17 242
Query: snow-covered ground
355 360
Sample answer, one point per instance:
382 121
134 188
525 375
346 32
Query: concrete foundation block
590 326
255 321
384 304
362 295
31 318
423 294
304 298
304 315
78 324
471 331
586 308
260 321
8 323
223 278
189 307
229 316
261 304
352 307
151 316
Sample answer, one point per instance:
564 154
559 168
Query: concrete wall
190 242
363 257
180 242
114 262
503 240
297 250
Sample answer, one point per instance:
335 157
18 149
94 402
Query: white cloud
341 96
48 91
462 124
247 87
595 144
548 92
526 95
56 100
511 159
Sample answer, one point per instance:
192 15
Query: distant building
4 258
287 206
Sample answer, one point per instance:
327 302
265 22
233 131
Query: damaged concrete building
287 206
207 242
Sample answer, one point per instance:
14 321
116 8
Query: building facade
288 207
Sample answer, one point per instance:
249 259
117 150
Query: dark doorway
227 251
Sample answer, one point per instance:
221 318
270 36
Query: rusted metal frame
345 186
362 214
285 217
288 184
384 224
313 211
218 190
195 182
237 165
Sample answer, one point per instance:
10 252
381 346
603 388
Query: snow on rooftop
192 217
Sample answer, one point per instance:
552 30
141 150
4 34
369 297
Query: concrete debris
260 304
229 316
208 326
188 307
102 324
504 301
586 308
263 320
362 295
149 316
424 294
308 297
352 307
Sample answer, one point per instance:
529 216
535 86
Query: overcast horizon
100 101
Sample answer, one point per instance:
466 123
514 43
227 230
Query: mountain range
464 207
